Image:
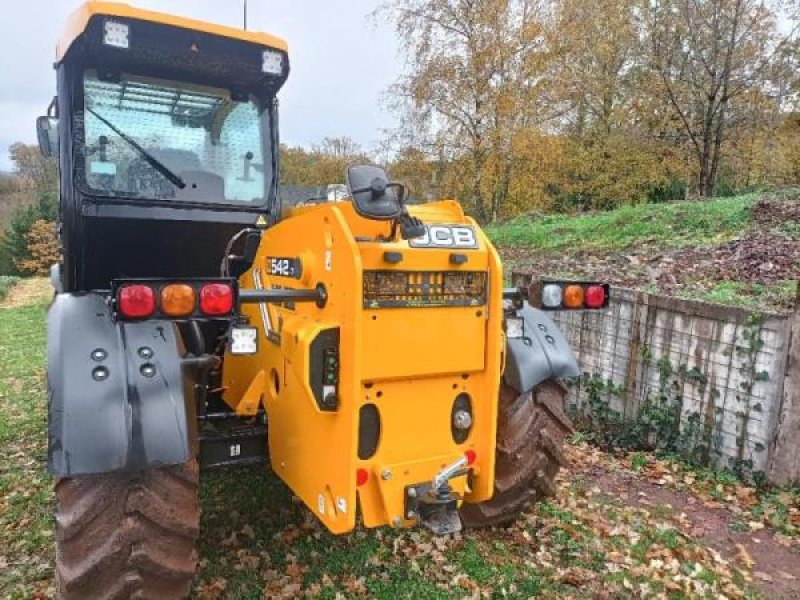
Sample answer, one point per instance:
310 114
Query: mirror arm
410 226
401 192
52 108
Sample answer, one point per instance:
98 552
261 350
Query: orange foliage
43 248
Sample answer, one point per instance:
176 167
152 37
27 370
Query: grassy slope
653 228
666 225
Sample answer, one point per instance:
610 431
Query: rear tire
531 431
127 535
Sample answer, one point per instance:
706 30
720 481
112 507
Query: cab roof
78 21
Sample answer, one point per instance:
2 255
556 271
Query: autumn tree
420 173
325 163
614 148
39 184
14 243
708 55
43 249
33 168
474 82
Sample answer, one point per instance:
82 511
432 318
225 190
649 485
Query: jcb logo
446 236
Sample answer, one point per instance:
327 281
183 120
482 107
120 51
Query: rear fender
118 399
542 354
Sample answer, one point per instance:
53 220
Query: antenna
245 15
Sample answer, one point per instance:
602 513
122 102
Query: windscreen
161 140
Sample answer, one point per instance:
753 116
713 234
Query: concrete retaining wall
724 368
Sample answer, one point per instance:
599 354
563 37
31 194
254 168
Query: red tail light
362 476
471 456
595 296
136 301
216 299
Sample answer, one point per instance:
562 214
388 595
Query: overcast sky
341 62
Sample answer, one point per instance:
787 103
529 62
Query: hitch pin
446 474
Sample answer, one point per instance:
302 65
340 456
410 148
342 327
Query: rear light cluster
562 295
144 299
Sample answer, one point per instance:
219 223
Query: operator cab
166 133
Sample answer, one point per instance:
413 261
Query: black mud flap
543 353
117 391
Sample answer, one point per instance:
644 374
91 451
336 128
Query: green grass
774 508
748 295
6 283
26 527
664 225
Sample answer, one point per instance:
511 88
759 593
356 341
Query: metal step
232 443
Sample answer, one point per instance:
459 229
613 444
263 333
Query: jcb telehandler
366 349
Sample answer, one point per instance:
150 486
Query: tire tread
127 535
531 431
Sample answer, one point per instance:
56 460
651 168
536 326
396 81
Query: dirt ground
773 560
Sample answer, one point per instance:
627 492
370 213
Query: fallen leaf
744 556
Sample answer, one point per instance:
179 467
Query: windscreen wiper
151 160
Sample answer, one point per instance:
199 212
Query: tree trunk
501 190
478 163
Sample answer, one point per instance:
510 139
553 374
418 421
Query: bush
6 283
42 248
14 246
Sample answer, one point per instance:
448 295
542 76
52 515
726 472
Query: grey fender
107 412
542 354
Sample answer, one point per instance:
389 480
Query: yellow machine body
409 361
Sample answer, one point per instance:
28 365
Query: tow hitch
435 504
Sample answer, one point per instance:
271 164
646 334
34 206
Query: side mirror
47 133
374 196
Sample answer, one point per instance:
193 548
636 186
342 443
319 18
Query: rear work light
272 62
569 295
216 299
136 301
115 34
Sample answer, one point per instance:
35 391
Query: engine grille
401 289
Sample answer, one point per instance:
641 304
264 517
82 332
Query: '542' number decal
285 267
